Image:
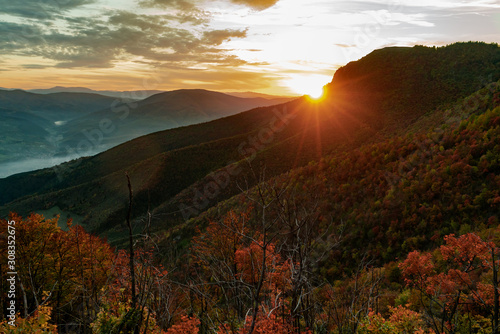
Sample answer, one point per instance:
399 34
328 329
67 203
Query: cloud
343 45
217 37
183 5
34 66
192 5
221 79
256 4
39 9
100 42
186 10
14 36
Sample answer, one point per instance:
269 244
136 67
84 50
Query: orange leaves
464 249
463 255
151 280
185 326
69 263
247 276
417 267
404 316
485 292
265 324
249 261
229 252
220 241
269 324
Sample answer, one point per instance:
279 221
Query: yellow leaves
37 323
71 263
401 321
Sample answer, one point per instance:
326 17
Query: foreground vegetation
240 280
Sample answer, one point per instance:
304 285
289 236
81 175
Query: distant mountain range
41 130
133 94
142 94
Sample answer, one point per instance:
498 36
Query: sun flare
311 85
316 94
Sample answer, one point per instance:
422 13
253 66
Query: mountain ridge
138 94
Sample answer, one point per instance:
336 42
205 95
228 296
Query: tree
350 300
401 321
63 270
455 277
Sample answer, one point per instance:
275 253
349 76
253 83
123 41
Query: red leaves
185 326
220 240
464 254
269 324
464 249
417 267
249 261
459 275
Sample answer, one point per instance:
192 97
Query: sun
311 85
316 94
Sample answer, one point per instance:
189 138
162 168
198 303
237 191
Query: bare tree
306 239
351 301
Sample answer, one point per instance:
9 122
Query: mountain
21 132
133 94
31 125
158 112
83 124
404 192
143 94
53 107
182 173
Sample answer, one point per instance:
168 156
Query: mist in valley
27 165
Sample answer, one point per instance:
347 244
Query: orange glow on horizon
310 85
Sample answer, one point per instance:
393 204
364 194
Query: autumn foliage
459 277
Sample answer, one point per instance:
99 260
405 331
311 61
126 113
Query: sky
282 47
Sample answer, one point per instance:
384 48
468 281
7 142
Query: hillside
393 87
399 194
399 236
160 112
367 102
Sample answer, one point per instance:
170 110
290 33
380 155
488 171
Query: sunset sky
268 46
